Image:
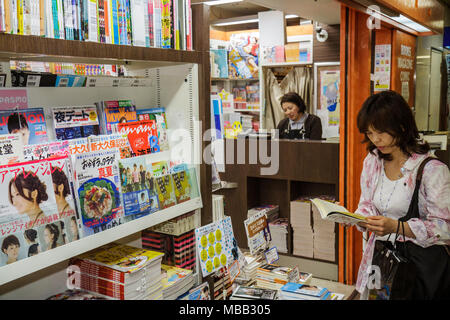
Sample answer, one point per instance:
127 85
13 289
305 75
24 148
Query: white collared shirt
299 124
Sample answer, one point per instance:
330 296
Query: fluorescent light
290 16
235 22
411 24
217 2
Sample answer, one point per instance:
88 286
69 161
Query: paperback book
166 191
30 124
336 213
40 221
97 187
75 122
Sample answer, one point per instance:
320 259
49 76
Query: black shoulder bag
409 271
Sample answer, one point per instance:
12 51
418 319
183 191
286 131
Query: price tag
271 255
63 82
92 82
33 81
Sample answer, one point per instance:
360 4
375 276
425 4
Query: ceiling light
218 2
235 22
411 24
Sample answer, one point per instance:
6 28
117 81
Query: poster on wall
382 68
327 98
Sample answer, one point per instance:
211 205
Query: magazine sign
13 98
256 228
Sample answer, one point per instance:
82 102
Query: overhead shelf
34 48
46 259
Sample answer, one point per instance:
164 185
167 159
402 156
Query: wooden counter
304 168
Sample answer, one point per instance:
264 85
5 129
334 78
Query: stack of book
279 232
250 293
271 211
324 243
179 251
297 291
222 285
175 281
272 276
301 227
247 274
120 272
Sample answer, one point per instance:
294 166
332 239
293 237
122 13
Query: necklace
390 195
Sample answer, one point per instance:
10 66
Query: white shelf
45 259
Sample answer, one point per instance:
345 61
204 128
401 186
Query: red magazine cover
142 135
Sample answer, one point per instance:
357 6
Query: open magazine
336 213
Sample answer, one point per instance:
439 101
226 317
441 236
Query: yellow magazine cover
121 257
172 275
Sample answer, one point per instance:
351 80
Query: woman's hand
381 225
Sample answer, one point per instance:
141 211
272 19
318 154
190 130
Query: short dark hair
59 177
294 98
387 111
16 121
10 240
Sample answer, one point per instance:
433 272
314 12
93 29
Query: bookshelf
181 85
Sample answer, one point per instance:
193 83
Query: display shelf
48 258
19 47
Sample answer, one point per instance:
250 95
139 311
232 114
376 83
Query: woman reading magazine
388 182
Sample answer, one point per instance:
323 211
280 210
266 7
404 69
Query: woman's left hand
381 225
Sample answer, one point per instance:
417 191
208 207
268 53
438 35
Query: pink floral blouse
432 228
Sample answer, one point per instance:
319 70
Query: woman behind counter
298 120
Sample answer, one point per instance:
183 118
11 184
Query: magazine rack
180 83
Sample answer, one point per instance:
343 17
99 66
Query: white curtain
298 80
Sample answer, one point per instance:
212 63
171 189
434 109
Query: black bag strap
413 210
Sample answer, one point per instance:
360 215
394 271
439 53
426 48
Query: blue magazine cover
28 123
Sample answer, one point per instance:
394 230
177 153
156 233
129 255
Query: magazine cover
142 136
110 141
114 112
165 191
37 214
28 123
122 257
11 149
75 122
137 185
159 116
47 150
97 187
182 186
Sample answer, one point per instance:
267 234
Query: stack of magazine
120 272
175 281
251 293
279 233
297 291
272 276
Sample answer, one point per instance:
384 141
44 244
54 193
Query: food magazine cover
75 122
159 116
142 136
97 187
37 213
30 124
137 185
